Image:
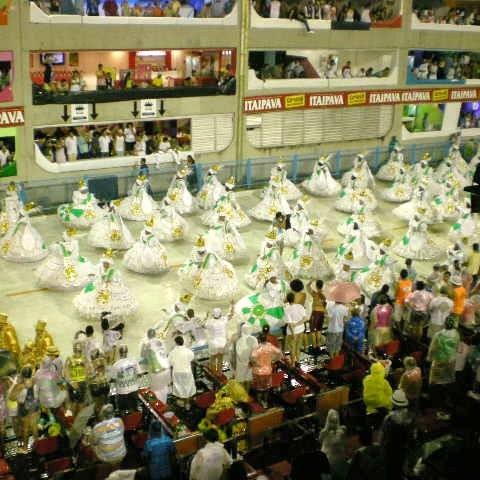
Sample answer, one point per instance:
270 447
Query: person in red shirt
110 8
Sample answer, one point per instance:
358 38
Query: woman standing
382 321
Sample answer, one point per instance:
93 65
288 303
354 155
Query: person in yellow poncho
377 392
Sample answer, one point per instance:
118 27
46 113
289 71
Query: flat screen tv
55 58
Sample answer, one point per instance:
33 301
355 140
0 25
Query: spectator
459 296
317 318
275 9
419 302
347 70
125 373
337 314
110 8
158 81
107 437
130 136
440 308
101 74
104 143
473 263
212 461
333 441
186 10
310 459
382 321
411 381
160 453
355 331
377 392
71 146
412 273
295 318
367 462
296 12
119 142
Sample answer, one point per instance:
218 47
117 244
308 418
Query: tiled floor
25 304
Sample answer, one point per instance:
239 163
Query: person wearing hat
107 437
243 351
42 341
397 436
54 354
181 358
8 336
377 392
216 329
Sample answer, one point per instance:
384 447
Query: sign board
79 112
148 108
363 98
11 117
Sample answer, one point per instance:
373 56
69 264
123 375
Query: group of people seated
444 15
134 8
450 66
469 120
70 144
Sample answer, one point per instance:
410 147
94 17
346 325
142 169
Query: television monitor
56 58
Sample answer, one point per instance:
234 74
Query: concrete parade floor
21 299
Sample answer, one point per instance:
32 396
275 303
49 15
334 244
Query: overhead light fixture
151 53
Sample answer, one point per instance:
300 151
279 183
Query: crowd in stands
67 144
449 66
445 15
334 10
136 8
328 69
469 120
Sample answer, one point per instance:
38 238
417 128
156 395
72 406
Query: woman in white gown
106 292
22 243
308 260
456 158
379 272
228 207
83 212
300 222
272 202
401 189
278 177
447 171
356 250
269 263
389 171
211 190
421 170
12 207
321 182
419 204
147 255
168 225
225 240
206 275
446 202
465 226
361 171
64 268
351 194
181 198
139 206
363 218
416 243
110 231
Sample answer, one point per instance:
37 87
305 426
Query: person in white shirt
119 142
165 145
186 10
440 308
211 461
216 328
125 372
104 144
243 351
181 359
295 318
71 146
3 157
337 315
90 343
130 135
275 6
140 148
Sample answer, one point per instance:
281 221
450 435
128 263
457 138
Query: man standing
337 314
440 308
125 372
419 302
211 461
216 328
71 145
459 296
317 318
160 453
295 318
403 288
181 358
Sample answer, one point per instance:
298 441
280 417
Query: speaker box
104 188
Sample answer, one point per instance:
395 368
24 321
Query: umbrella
257 311
342 292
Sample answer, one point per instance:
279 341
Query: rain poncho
442 353
377 392
355 332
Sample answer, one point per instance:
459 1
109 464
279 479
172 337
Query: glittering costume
401 190
168 225
83 212
225 240
421 205
321 182
389 171
110 231
378 273
300 222
206 275
211 190
465 226
269 263
12 206
228 207
421 171
308 260
179 195
446 202
356 250
351 194
278 178
139 205
64 268
22 243
361 171
273 201
447 171
105 293
365 220
147 255
416 243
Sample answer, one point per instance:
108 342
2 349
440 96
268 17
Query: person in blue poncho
355 331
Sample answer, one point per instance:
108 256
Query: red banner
11 117
362 98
